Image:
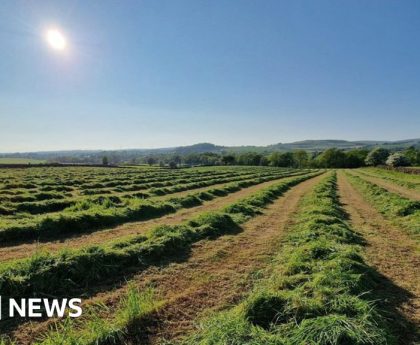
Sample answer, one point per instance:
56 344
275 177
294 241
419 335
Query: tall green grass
319 291
92 329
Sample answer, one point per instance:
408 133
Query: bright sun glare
56 39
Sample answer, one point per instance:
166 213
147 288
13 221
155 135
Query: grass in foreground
133 307
162 242
72 270
95 330
319 292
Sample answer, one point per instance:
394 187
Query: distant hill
320 145
308 145
198 148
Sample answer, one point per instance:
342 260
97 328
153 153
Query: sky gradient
143 74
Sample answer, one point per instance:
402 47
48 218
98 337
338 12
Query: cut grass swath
71 270
319 292
180 237
402 211
88 216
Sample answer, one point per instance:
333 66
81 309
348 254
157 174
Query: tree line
330 158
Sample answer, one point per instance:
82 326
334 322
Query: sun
56 39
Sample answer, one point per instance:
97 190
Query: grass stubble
68 271
321 290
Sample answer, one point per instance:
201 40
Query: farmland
213 255
11 161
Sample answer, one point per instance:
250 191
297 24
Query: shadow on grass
117 280
390 298
78 230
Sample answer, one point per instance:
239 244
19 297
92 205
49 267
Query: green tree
355 158
278 159
228 160
413 155
177 159
300 158
151 160
332 158
397 159
249 158
191 159
264 161
104 160
377 156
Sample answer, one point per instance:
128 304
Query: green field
148 247
21 161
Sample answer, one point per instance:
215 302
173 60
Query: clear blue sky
167 73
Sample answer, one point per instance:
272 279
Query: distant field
21 161
51 202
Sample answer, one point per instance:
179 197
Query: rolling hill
308 145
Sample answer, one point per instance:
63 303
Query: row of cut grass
12 194
74 270
157 182
93 328
399 178
76 178
319 291
402 211
58 202
88 216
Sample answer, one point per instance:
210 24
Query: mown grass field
213 255
21 161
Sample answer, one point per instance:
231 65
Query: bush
332 158
377 156
397 159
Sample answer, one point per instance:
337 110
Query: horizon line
179 146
